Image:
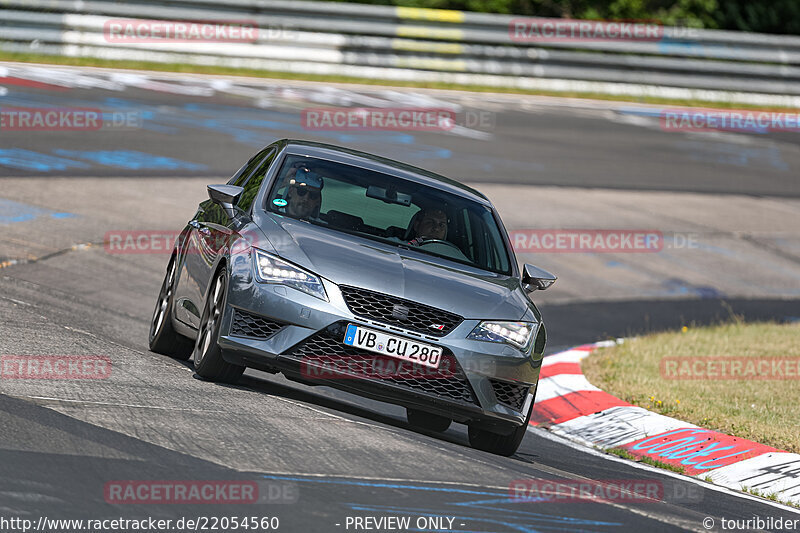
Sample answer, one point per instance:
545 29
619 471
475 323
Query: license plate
383 343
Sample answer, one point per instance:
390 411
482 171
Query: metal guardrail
398 43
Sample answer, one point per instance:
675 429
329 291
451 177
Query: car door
210 232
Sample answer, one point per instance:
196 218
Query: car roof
381 164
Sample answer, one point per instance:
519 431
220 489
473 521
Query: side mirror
536 279
225 196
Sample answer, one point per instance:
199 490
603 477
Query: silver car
346 269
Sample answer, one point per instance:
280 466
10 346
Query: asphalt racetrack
727 204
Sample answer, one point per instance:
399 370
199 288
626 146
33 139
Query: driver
304 195
430 224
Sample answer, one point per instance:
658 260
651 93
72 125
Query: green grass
622 452
773 496
226 71
625 454
764 411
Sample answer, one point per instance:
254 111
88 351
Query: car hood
351 260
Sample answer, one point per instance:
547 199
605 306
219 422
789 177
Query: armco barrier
411 44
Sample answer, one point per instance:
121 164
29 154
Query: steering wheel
439 241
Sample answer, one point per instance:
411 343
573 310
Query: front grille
381 307
250 325
325 348
511 394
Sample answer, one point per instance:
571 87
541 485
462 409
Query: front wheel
163 338
506 445
208 361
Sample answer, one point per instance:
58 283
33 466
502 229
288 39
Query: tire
163 338
506 445
428 421
208 361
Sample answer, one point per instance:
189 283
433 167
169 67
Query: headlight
270 269
517 334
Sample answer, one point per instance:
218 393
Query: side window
477 240
243 173
254 183
497 257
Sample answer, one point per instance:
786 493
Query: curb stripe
563 408
22 82
570 356
563 384
568 405
560 368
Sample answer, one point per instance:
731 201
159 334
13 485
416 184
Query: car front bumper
287 320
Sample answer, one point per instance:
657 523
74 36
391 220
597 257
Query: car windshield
389 209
